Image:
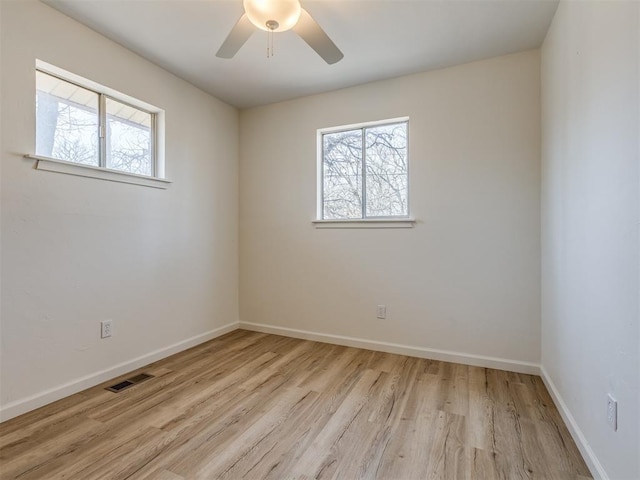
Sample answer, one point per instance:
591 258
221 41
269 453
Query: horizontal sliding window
82 125
365 172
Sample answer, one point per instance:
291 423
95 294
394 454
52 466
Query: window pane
387 173
128 139
342 175
66 121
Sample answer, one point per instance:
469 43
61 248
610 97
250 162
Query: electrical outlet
612 412
105 328
382 312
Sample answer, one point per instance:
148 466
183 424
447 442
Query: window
87 126
364 172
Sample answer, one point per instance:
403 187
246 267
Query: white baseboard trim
596 468
27 404
430 353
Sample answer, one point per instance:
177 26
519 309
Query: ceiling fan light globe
285 12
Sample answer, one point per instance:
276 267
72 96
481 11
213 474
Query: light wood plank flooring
255 406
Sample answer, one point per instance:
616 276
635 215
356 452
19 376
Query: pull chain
272 25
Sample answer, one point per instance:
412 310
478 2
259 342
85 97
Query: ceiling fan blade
316 38
237 37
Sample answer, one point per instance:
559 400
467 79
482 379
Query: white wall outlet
612 412
382 312
105 328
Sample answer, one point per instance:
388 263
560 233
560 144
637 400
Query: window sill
366 223
89 171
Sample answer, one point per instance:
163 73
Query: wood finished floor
255 406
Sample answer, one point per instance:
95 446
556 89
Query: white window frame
398 221
156 179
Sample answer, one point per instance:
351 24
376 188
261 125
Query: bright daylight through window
365 172
83 126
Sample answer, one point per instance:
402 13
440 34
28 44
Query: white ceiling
379 38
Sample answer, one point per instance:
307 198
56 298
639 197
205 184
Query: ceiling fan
275 16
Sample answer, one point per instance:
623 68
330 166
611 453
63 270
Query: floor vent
130 382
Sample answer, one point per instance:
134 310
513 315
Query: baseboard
430 353
24 405
589 456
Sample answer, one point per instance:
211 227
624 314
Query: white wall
466 278
161 263
590 241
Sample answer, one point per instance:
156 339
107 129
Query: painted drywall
1 150
466 278
590 218
162 264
